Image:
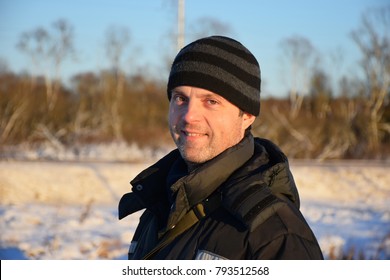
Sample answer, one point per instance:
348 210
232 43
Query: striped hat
221 65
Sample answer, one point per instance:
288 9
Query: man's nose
192 111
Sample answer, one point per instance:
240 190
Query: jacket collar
254 156
150 186
199 184
205 179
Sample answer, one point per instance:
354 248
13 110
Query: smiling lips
192 134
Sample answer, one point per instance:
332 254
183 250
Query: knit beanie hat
221 65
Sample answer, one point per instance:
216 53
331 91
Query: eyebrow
205 95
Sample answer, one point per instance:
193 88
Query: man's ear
248 119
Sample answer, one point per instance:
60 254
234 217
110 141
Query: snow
64 208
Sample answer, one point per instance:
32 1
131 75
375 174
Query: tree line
312 121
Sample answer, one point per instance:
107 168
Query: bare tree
88 116
320 94
116 41
35 44
48 49
302 57
62 48
373 40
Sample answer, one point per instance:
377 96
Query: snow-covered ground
68 209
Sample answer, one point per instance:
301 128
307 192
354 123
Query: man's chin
193 156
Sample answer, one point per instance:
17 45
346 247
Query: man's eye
179 99
212 101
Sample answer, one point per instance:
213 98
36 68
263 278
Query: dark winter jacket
253 214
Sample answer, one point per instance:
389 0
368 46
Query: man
222 194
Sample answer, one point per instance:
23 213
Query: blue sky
260 25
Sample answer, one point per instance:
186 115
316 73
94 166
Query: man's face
203 124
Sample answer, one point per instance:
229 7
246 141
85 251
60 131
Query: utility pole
180 24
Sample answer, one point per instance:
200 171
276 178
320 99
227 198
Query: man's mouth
193 134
